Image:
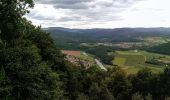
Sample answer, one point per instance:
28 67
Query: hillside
112 35
163 48
74 38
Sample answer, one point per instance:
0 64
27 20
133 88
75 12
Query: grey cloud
86 4
40 17
72 18
72 6
84 11
35 15
62 1
67 4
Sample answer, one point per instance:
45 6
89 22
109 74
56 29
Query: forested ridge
163 48
33 68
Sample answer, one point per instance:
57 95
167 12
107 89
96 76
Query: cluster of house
79 62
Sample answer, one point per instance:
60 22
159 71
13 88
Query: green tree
118 84
26 76
12 25
165 83
24 72
142 82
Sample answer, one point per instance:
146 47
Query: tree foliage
24 72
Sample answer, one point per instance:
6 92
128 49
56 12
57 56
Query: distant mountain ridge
120 30
110 34
156 28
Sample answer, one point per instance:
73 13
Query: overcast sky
101 13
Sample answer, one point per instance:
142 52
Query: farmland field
72 53
130 58
133 61
119 61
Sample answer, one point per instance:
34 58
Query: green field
133 61
130 58
119 61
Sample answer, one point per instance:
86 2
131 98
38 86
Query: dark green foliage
141 81
101 52
146 82
163 48
165 82
115 84
11 13
118 84
25 75
48 51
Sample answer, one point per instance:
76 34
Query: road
84 53
100 64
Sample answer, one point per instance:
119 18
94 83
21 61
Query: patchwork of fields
128 59
134 60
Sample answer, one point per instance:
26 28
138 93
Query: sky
100 13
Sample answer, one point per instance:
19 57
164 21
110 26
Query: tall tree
25 75
11 15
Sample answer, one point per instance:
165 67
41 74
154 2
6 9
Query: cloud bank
97 13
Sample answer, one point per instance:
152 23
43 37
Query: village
74 58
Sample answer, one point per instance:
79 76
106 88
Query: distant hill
111 35
66 38
112 31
